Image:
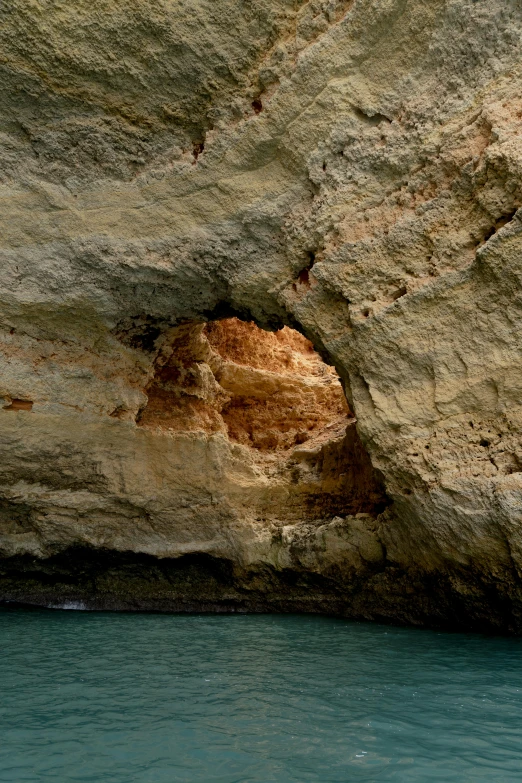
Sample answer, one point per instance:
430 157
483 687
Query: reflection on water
122 698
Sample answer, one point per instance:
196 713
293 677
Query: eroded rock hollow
261 307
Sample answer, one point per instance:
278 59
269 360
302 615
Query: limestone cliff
219 219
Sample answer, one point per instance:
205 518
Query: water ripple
108 698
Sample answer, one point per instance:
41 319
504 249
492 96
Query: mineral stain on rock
260 307
19 405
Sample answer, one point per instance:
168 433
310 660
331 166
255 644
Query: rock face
198 196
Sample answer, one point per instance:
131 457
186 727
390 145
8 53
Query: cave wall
349 169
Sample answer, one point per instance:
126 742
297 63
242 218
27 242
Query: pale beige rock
352 169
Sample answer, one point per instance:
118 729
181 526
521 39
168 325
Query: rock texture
184 184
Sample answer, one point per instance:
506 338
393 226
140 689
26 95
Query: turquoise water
123 698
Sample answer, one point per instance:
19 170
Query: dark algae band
94 579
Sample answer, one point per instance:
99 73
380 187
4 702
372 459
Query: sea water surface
150 698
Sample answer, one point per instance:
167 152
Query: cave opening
251 489
270 393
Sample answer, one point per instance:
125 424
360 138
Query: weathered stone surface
349 169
